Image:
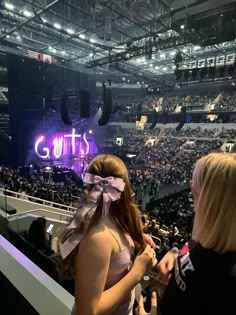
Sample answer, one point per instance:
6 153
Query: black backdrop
29 83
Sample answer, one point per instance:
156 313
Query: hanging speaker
154 119
107 106
84 103
64 110
182 118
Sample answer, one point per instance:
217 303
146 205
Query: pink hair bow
110 189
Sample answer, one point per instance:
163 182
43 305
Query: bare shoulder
95 239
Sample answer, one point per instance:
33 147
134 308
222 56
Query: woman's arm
92 264
166 265
54 245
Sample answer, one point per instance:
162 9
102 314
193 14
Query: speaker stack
64 110
107 105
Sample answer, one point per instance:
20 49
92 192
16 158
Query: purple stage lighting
65 145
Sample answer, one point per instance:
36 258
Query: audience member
42 182
37 236
104 281
205 272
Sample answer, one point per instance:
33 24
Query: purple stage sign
65 145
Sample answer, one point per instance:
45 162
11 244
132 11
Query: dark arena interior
152 82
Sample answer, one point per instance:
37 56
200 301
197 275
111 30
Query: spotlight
57 26
27 13
182 27
70 31
9 6
82 36
92 40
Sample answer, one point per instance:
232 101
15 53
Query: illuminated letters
57 147
87 144
64 144
73 135
45 149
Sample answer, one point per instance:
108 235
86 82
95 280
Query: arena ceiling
119 37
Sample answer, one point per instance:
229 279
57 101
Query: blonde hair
214 178
124 211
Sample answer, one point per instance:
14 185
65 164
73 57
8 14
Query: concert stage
69 149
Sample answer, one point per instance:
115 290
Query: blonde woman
96 247
202 280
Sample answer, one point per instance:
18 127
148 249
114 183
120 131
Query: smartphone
49 230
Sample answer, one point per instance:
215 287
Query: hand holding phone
49 230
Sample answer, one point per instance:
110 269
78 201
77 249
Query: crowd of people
201 133
43 182
226 103
172 103
169 162
173 221
223 101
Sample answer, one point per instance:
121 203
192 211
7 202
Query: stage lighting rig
134 73
140 51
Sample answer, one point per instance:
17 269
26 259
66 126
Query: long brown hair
124 211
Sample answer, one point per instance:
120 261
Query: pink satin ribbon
110 189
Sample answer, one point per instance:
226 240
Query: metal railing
155 238
29 198
16 216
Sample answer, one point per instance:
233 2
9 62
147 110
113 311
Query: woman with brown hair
106 227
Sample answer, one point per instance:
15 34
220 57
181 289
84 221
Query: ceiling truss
95 33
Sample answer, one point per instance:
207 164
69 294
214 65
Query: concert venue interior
150 81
